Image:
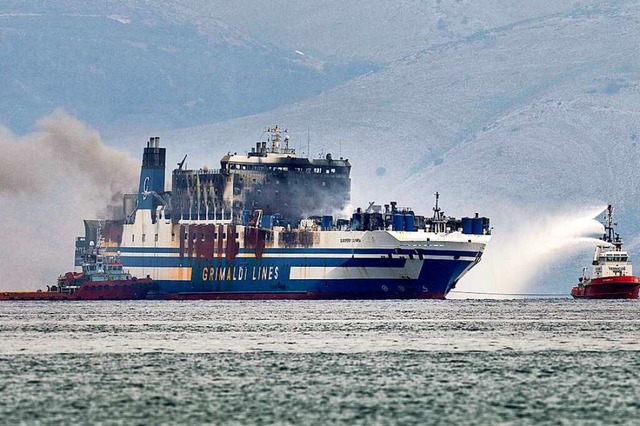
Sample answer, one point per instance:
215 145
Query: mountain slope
134 65
376 30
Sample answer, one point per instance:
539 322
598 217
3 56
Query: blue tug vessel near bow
264 226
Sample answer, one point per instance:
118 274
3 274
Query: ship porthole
385 288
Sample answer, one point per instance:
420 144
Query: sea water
556 361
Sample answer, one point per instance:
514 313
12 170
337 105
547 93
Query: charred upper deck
270 177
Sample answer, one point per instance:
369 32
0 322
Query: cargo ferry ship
264 226
612 275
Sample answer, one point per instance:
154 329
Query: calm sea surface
341 362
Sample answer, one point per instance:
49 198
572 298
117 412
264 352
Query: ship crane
180 164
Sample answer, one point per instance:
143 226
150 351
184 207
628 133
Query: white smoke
50 180
345 213
521 248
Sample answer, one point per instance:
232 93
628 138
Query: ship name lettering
265 273
223 273
350 240
240 273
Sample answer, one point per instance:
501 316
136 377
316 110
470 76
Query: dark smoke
50 180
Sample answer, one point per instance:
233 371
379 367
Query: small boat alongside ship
612 276
102 278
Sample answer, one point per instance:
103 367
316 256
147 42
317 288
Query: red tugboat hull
134 289
624 287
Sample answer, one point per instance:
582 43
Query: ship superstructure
270 177
264 226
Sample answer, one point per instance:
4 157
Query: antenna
608 225
439 221
436 209
308 139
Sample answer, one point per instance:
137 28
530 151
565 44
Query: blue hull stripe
328 251
175 262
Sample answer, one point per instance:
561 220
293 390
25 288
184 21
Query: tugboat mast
610 236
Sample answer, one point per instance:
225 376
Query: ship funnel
154 142
152 174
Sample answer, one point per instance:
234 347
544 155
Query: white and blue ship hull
332 265
240 233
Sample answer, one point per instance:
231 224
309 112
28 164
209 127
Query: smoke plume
50 180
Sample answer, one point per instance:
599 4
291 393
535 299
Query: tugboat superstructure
102 278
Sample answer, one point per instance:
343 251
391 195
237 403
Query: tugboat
102 278
612 276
